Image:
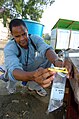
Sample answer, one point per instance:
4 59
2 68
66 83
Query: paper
62 39
74 40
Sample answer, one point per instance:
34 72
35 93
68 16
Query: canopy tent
67 24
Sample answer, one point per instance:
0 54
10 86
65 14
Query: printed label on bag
57 91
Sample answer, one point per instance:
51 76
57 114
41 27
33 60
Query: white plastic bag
57 92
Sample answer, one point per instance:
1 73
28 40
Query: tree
47 38
28 9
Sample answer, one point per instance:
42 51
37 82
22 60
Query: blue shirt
28 60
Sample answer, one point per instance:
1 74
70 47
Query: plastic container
34 27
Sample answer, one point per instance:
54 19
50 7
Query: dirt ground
24 104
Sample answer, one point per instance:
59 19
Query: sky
65 9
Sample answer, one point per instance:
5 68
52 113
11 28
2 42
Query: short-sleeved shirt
28 59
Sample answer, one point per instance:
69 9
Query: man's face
20 35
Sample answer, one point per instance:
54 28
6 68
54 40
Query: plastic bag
57 92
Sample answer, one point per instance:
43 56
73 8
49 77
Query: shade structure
67 24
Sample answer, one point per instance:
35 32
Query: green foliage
32 9
47 36
47 41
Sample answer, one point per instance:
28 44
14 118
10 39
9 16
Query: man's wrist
57 60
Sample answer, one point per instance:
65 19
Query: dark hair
16 22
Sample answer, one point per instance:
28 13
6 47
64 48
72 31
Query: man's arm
42 76
53 58
51 55
22 75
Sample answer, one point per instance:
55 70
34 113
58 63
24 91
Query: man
23 64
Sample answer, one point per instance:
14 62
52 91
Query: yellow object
58 69
1 73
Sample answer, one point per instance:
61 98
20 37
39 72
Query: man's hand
58 63
68 64
43 77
